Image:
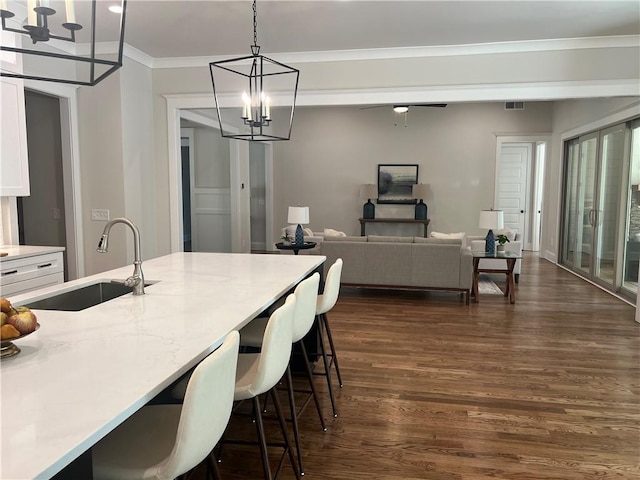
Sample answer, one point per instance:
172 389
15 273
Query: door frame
533 139
538 193
70 144
176 106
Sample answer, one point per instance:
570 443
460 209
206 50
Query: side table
296 248
510 258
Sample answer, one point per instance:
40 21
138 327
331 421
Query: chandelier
267 102
56 39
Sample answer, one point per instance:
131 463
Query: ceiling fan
403 108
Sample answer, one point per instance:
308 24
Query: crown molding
138 55
620 41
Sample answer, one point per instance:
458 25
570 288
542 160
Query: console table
364 221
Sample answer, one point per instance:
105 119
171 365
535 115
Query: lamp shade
420 190
299 215
491 219
368 190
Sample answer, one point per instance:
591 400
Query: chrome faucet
137 279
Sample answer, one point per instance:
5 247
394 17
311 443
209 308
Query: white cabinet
14 162
26 273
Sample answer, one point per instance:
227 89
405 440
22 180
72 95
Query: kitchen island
83 373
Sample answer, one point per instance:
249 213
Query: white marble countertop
20 251
83 373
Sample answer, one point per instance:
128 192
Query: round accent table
296 248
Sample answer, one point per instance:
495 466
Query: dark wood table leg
476 262
510 290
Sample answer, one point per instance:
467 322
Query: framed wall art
395 183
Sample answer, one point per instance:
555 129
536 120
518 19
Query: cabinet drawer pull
10 272
45 265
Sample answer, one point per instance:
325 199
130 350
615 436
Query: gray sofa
402 262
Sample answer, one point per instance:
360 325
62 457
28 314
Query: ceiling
187 28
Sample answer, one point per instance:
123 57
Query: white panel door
512 186
211 216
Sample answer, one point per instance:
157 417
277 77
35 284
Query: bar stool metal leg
285 434
294 419
257 415
312 384
334 356
327 371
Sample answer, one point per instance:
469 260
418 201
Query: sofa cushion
441 241
387 263
353 256
389 239
329 232
345 239
435 266
457 235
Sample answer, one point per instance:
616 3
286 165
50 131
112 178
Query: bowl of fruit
15 323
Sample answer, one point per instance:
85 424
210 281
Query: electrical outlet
56 213
99 215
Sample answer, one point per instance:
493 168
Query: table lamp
368 191
420 191
299 215
491 219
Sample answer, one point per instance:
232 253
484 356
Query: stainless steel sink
82 297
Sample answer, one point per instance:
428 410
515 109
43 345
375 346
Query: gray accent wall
334 150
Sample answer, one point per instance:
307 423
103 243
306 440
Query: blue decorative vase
369 210
299 235
421 210
490 243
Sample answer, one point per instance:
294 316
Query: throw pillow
307 232
329 232
458 235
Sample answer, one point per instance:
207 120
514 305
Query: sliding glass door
597 207
579 202
632 226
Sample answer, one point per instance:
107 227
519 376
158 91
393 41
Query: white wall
139 167
334 150
118 169
102 170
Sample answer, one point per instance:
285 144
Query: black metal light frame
41 33
255 75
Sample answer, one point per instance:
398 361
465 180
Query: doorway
206 190
519 183
41 215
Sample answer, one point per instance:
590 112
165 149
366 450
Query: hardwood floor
547 388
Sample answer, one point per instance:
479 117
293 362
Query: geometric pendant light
263 101
77 42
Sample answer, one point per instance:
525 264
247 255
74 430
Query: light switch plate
99 215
